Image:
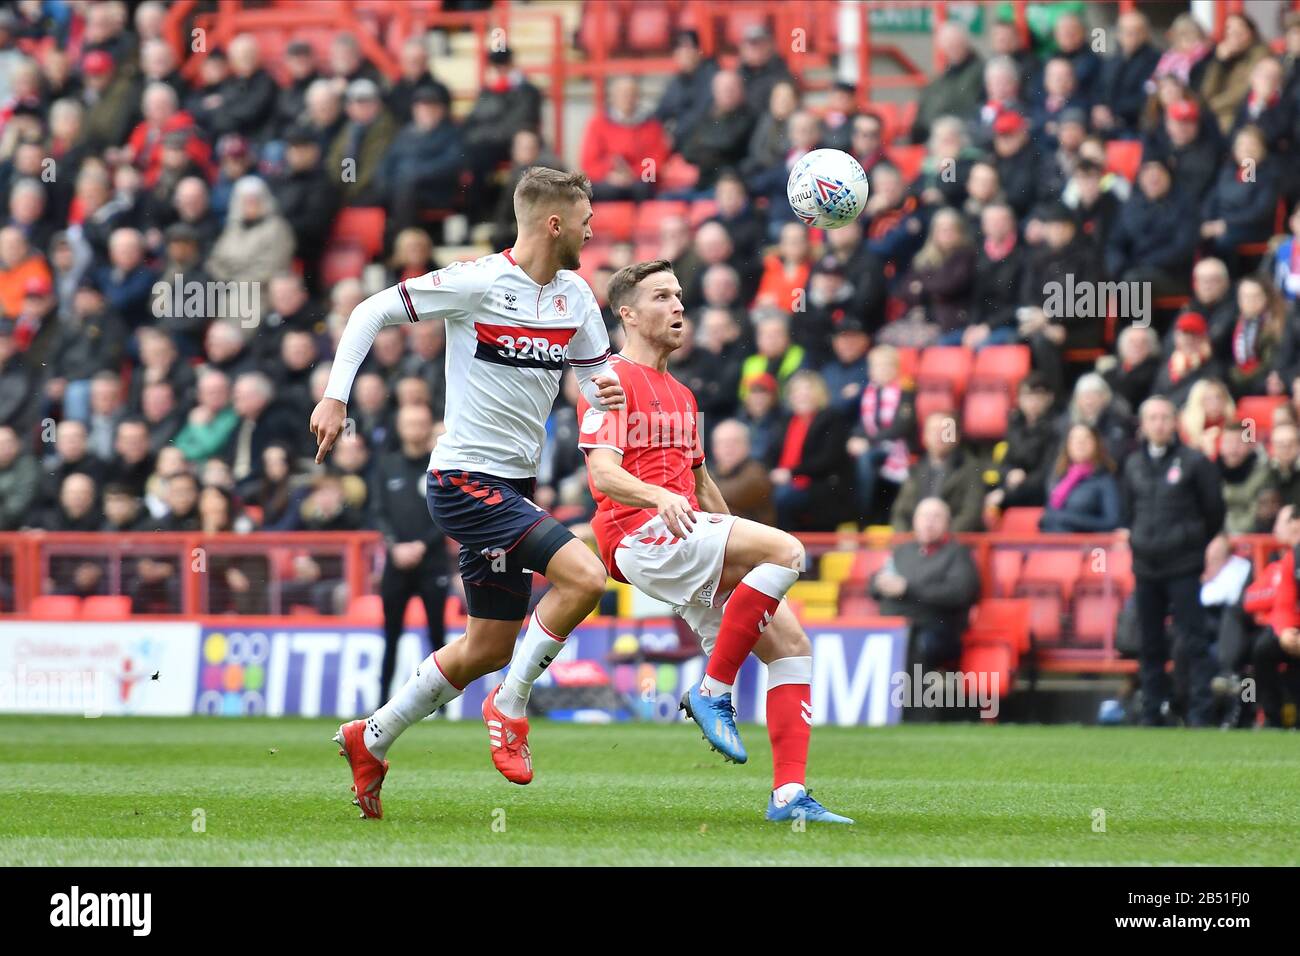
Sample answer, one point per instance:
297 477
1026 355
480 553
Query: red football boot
367 771
509 739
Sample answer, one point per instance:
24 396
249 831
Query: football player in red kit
663 526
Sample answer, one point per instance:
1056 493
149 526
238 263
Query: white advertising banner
95 670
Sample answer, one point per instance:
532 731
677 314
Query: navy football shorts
503 538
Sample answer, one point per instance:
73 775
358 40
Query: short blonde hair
543 186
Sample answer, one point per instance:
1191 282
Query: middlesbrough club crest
561 305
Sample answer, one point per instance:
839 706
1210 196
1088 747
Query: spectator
76 509
764 418
209 94
893 227
506 104
720 140
722 353
932 581
805 133
1093 403
69 455
864 271
291 373
123 512
164 118
159 362
1266 109
363 140
1131 372
1004 41
1072 45
131 462
1002 94
881 441
161 414
1122 86
999 266
526 151
812 483
828 305
1017 161
741 479
687 97
127 279
1033 438
1189 145
277 493
291 99
1173 506
786 271
226 349
944 471
776 355
867 141
770 145
1278 643
947 164
942 277
1226 81
845 373
257 243
325 117
1187 55
1082 495
307 196
760 67
1061 96
1284 261
416 549
415 76
107 408
1284 464
1240 206
347 63
1212 297
16 385
108 96
1243 471
624 148
19 264
1096 209
192 205
423 167
1150 241
955 91
982 190
260 424
181 496
211 422
1256 340
19 481
28 211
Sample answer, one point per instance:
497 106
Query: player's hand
609 391
677 513
327 425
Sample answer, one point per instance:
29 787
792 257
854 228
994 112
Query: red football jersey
658 432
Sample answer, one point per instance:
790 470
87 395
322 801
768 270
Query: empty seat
1002 366
55 607
990 664
984 415
600 24
362 226
945 367
651 214
1124 156
1005 564
649 29
1052 569
1259 409
1004 617
614 220
106 607
1095 616
1020 521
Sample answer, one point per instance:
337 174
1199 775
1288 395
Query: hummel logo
511 299
806 712
764 621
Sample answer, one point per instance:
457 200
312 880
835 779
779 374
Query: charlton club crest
561 305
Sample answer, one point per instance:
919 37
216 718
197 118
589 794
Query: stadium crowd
125 409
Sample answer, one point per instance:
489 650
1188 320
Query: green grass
122 791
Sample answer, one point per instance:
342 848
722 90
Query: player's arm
609 477
589 358
707 492
445 294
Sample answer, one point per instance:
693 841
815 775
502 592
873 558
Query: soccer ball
827 189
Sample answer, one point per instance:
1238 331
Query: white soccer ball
827 189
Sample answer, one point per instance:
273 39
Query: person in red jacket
1279 642
162 116
624 149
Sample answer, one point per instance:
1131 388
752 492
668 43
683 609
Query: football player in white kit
513 319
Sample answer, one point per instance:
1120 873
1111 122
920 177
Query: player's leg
577 581
787 652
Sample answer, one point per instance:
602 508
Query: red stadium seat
678 174
1259 409
1022 521
362 226
1095 616
1007 616
649 29
366 609
55 607
897 119
1005 565
1002 366
1111 570
1124 156
1059 569
701 210
908 159
859 605
945 367
738 21
927 403
106 607
615 220
342 262
908 360
994 660
595 23
865 564
984 416
651 214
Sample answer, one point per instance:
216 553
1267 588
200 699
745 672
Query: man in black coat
413 61
1018 162
1122 92
760 68
417 551
423 165
932 581
1173 506
721 139
1190 144
308 198
1152 240
687 97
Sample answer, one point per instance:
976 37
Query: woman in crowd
942 277
1082 495
1208 409
813 491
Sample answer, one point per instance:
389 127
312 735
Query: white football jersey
507 341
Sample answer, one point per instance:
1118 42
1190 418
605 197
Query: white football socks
540 646
783 794
425 692
714 688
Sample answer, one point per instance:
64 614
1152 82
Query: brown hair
540 185
622 286
1100 457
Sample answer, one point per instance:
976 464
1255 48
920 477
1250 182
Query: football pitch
208 791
